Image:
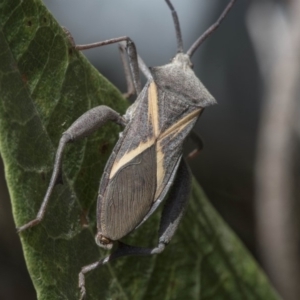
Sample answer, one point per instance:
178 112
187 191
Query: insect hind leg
171 216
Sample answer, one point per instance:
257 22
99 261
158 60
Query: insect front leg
82 127
129 82
171 216
142 66
131 52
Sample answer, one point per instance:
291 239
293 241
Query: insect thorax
178 77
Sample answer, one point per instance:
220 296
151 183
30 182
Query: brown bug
147 161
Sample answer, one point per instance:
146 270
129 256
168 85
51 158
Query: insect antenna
177 27
210 30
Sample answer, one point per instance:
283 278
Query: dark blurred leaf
44 86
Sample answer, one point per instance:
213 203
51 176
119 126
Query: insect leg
145 70
199 142
82 127
171 216
128 77
131 52
175 206
142 66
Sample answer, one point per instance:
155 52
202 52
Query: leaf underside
44 86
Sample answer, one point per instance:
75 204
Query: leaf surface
44 86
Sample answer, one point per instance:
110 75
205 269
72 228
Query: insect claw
69 36
28 225
82 293
81 285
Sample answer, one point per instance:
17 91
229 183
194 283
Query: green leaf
44 86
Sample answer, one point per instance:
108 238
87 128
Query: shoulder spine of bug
146 162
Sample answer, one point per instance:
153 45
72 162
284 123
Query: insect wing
129 195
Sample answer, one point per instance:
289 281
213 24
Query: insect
146 163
